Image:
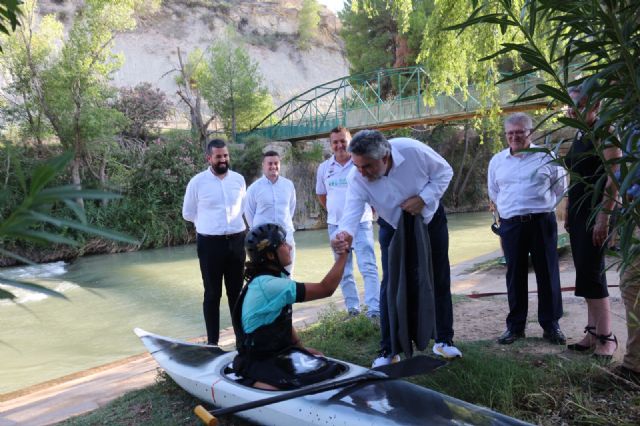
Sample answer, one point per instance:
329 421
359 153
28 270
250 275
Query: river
43 338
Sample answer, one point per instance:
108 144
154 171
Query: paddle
420 364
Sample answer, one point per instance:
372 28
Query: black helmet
263 239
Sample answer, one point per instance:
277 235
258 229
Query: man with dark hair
525 187
213 202
402 177
331 189
272 199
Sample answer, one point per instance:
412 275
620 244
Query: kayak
204 371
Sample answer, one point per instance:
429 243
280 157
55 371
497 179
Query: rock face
269 30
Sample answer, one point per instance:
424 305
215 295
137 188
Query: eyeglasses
518 132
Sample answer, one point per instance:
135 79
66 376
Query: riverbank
475 319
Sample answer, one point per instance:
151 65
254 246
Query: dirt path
484 318
475 319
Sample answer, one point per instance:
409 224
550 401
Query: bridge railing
360 101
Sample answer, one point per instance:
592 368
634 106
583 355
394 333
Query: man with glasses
525 186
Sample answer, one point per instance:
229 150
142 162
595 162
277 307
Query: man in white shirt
272 199
396 176
525 186
213 202
331 189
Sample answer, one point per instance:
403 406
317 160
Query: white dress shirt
269 202
528 182
416 170
214 204
331 180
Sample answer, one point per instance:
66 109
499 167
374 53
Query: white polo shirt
214 204
331 180
529 182
268 202
416 170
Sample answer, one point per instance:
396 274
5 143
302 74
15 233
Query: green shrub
247 159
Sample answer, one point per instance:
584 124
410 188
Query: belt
223 236
524 218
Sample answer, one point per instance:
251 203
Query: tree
233 88
368 39
22 107
191 75
373 38
308 22
594 44
144 106
454 59
70 86
9 12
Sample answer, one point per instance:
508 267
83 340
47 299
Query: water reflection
158 290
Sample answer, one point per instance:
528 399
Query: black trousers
439 236
220 257
536 235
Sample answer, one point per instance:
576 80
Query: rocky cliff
268 29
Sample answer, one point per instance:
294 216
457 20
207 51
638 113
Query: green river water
44 338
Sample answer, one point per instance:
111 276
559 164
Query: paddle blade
414 366
205 416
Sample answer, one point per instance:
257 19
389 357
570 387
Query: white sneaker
384 359
446 350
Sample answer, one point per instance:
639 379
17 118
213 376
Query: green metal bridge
383 99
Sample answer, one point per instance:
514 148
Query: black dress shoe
554 335
508 337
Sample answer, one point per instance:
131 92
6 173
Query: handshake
342 243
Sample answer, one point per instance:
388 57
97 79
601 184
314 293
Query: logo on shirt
339 182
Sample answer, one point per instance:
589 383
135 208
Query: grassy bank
541 389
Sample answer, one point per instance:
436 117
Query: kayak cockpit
293 363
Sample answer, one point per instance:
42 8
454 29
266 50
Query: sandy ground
475 319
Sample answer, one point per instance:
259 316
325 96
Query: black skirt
591 280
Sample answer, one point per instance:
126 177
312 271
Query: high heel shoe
577 347
602 339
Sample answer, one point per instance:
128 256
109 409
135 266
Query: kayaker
270 354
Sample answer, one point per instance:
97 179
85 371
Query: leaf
17 257
30 286
112 235
4 294
538 62
533 11
494 55
492 18
516 75
522 99
572 122
555 93
77 209
521 48
46 172
49 237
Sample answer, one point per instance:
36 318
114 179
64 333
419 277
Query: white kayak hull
199 369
